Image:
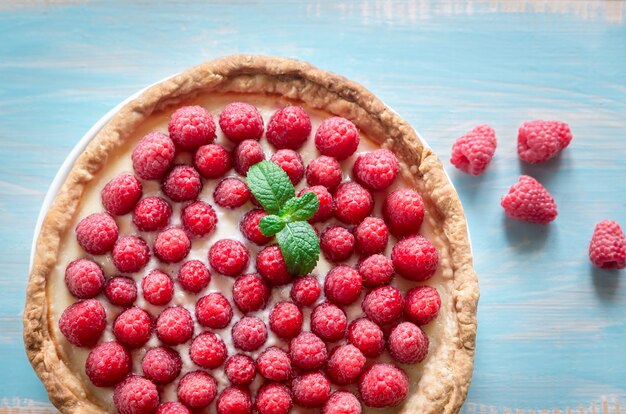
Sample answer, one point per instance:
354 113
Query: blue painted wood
552 330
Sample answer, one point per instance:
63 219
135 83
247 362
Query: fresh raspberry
161 365
305 291
214 311
172 245
383 385
308 351
246 154
383 305
212 161
136 395
194 276
352 203
377 169
343 285
311 389
240 121
191 127
607 249
408 344
174 325
371 236
249 333
367 337
403 211
329 322
199 218
172 407
539 141
84 278
325 171
376 270
197 389
472 152
286 320
153 156
337 137
82 323
289 127
121 194
249 227
421 304
342 402
529 201
228 257
274 364
107 364
133 327
208 350
152 213
158 288
415 258
231 193
291 162
337 243
130 254
250 293
273 398
327 204
121 291
234 400
345 364
182 183
97 233
240 369
272 267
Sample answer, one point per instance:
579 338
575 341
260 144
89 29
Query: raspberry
199 218
97 233
371 236
240 121
367 337
107 364
383 305
383 385
327 205
130 254
377 169
191 127
311 389
121 291
182 183
136 395
529 201
289 127
121 194
539 141
305 291
152 213
376 270
607 249
272 267
472 152
172 408
82 323
291 162
345 364
172 245
161 365
133 327
325 171
240 369
250 293
249 333
158 288
308 351
407 343
274 364
84 278
234 400
352 203
415 258
337 243
246 154
194 276
208 350
286 320
212 161
197 389
153 156
343 285
337 137
249 227
231 193
342 402
214 311
174 325
228 257
329 322
273 398
403 211
421 304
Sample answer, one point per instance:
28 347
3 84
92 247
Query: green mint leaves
287 216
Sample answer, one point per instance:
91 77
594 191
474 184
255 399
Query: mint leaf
301 208
270 225
300 247
270 185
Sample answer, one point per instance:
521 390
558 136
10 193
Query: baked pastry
127 261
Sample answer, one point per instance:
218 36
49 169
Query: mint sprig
270 185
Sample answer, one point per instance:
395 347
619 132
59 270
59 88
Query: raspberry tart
254 234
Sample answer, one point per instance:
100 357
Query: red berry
153 156
342 402
182 183
97 233
228 257
161 365
208 350
289 127
250 293
408 344
133 327
343 285
240 369
212 161
376 270
345 364
286 320
130 254
84 278
327 204
325 171
329 322
249 226
383 385
337 137
249 333
273 398
136 395
171 407
82 323
246 154
107 364
272 267
539 141
529 201
120 195
352 203
415 258
311 389
234 400
404 212
383 305
152 213
607 249
172 245
121 291
371 236
308 351
194 276
240 121
337 243
214 311
174 326
191 127
199 218
377 169
291 162
367 337
305 291
231 193
274 364
158 288
197 389
473 151
421 304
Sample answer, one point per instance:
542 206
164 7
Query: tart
154 284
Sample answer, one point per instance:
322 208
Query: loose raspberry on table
473 152
182 183
172 245
228 257
161 365
199 218
324 171
337 137
174 326
97 233
193 276
240 121
214 311
407 343
343 285
286 320
308 352
191 127
274 364
342 402
130 254
529 201
82 323
249 333
421 304
153 156
273 398
249 227
197 389
271 265
121 194
212 161
327 204
136 395
291 162
107 364
84 278
345 364
240 369
377 169
367 337
208 350
371 236
337 243
403 211
234 400
231 193
152 213
246 154
121 291
171 407
376 270
311 389
539 141
289 127
383 305
158 288
607 249
250 293
352 203
305 291
329 322
383 385
415 258
133 327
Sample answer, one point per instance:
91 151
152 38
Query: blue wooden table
552 330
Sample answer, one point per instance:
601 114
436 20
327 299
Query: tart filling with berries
254 234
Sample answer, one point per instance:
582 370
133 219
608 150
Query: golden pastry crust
447 374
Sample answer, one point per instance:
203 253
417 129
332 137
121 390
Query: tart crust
447 374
